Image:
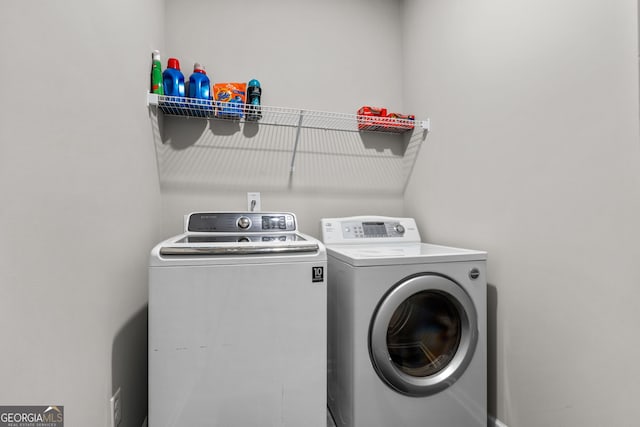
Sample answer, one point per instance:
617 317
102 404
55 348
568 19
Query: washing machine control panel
232 222
367 229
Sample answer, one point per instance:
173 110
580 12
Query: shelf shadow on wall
224 127
396 144
183 132
201 155
180 132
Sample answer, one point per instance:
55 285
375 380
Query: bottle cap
173 63
197 68
155 55
254 82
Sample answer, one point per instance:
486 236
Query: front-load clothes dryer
237 324
406 327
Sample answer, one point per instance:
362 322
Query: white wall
80 204
534 156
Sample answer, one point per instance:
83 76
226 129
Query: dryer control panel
369 229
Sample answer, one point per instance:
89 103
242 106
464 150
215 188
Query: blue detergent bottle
173 82
200 91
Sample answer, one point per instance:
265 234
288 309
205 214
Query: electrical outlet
253 202
116 408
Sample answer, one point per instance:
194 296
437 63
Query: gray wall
83 199
80 204
534 156
328 56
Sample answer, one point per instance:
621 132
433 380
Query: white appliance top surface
221 238
401 253
380 240
176 251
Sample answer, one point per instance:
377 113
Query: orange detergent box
229 99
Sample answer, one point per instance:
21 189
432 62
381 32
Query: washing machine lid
237 244
222 237
187 250
398 254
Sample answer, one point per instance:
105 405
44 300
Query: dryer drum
423 334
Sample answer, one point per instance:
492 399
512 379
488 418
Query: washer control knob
399 228
244 222
474 273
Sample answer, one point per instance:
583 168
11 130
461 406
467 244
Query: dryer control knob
474 273
399 229
244 222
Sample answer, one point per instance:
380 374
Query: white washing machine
406 327
237 324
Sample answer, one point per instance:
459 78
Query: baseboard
494 422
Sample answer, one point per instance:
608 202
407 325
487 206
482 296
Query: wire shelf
281 116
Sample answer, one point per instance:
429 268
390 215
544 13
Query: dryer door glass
423 334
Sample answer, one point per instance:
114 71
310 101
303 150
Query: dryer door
423 334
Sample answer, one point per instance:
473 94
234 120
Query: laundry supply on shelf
200 92
156 73
254 93
229 99
378 119
173 79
